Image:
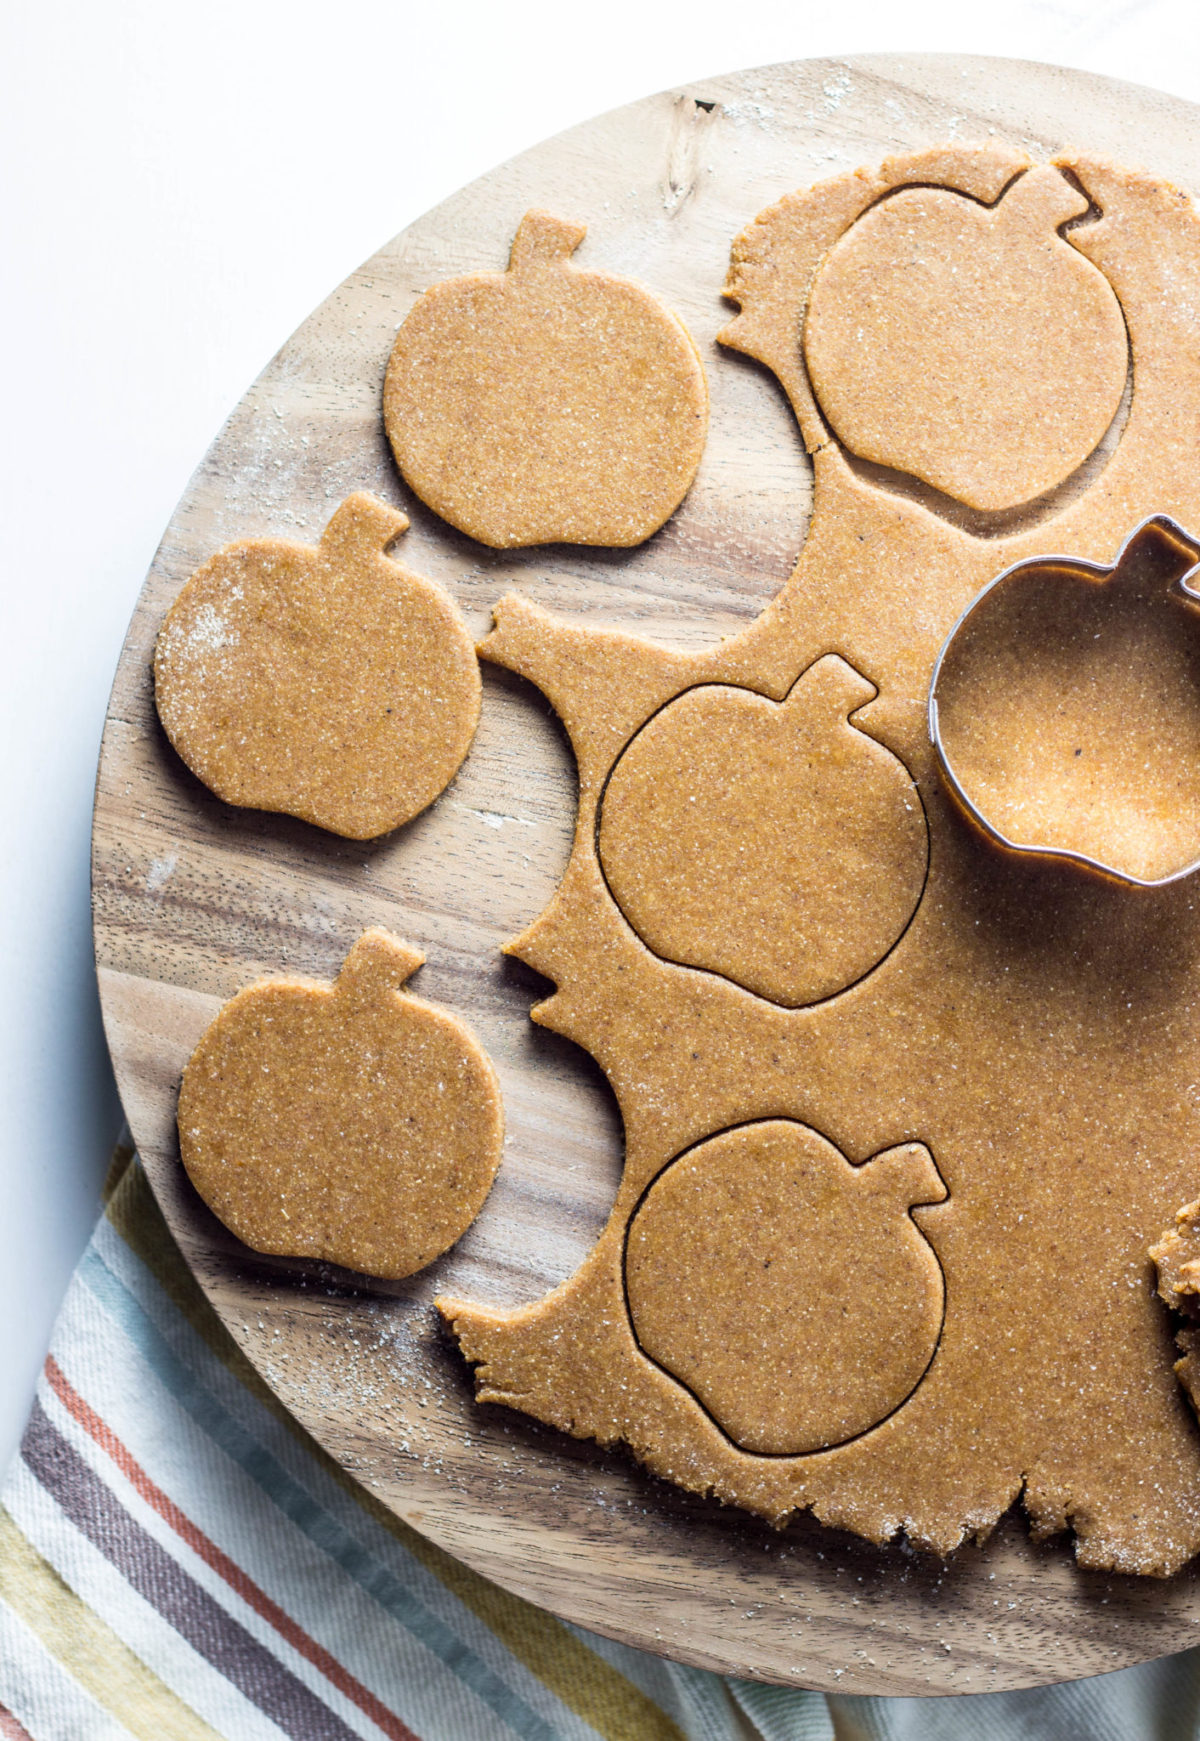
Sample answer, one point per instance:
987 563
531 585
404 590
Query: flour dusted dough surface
331 683
349 1122
547 403
793 1294
969 344
1034 1029
773 843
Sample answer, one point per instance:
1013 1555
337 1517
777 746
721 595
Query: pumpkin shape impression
770 842
351 1123
331 683
1065 709
970 346
790 1292
546 403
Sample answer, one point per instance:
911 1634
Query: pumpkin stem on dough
830 684
1041 200
910 1174
378 963
362 527
544 240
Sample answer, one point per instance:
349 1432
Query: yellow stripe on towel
90 1651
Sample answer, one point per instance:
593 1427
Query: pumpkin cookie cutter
1185 588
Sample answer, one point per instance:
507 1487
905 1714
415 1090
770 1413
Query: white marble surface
182 185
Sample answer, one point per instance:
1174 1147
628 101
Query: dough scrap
1035 1027
546 404
1068 708
350 1122
331 683
771 842
1176 1257
790 1292
969 345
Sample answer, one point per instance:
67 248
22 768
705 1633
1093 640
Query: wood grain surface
194 899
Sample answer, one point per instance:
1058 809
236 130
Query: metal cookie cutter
1158 538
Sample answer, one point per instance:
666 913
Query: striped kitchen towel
180 1562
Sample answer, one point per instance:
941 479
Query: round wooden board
194 899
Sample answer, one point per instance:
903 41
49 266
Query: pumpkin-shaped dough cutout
792 1293
970 346
351 1122
1065 709
770 842
331 683
546 404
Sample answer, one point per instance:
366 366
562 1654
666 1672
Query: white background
182 185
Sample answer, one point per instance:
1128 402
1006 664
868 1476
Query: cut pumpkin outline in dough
1013 1029
678 887
915 1184
989 792
1004 522
922 358
993 524
1001 523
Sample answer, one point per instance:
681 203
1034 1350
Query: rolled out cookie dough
793 1294
968 344
1035 1028
771 842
